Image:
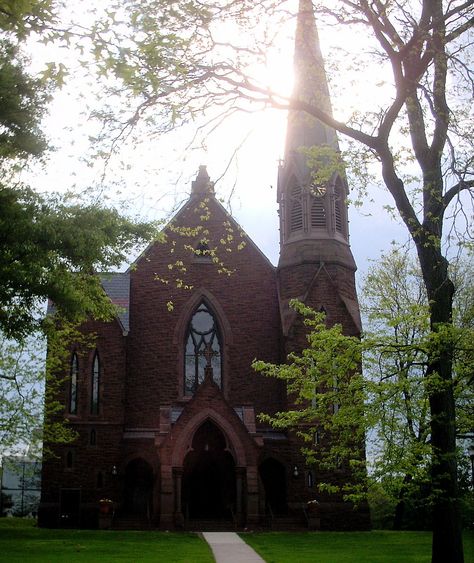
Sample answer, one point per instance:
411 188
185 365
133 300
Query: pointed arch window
95 384
296 210
74 372
202 350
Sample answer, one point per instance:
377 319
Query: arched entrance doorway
138 488
208 476
273 476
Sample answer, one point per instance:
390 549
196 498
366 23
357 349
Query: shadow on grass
21 541
348 547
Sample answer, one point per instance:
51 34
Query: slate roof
117 287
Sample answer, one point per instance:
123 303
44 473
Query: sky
241 156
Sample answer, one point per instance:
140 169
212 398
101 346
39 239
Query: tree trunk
399 513
401 504
447 532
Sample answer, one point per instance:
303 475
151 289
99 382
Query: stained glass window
202 350
95 384
73 384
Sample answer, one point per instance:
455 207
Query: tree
396 359
51 246
51 249
327 390
168 62
335 407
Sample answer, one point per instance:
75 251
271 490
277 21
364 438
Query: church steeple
313 214
310 85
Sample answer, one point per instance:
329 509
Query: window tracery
202 350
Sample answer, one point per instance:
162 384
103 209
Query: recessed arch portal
209 483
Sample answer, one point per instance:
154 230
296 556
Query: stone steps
287 523
130 523
220 525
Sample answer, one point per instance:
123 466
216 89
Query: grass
21 541
345 547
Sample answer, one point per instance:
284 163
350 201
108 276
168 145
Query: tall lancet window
203 350
95 383
73 384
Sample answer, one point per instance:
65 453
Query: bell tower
316 263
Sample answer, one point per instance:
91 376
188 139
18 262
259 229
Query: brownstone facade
166 403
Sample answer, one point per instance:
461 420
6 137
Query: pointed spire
310 86
202 184
313 218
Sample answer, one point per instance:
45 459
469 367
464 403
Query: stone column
239 490
167 505
253 516
178 479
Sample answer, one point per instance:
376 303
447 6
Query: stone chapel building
166 403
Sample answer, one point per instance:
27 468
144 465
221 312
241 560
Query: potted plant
105 506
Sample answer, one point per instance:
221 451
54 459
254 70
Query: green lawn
349 547
21 542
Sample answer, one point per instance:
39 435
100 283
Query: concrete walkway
227 547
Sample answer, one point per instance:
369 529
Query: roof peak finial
202 184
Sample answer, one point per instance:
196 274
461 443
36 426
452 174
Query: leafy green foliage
21 397
334 407
400 344
22 103
52 249
22 17
326 387
26 419
51 246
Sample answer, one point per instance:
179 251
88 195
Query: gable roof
289 315
117 288
202 187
